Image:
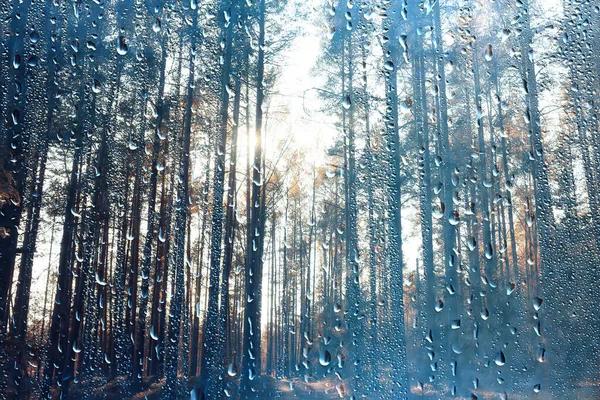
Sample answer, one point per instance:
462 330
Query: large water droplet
500 359
232 369
325 358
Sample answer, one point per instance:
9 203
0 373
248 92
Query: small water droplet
96 86
122 48
34 36
439 306
489 52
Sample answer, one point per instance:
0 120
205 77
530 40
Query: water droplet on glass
122 48
232 369
325 358
96 86
500 359
34 36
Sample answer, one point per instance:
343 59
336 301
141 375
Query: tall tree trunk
398 361
230 219
181 217
140 338
251 353
13 171
211 356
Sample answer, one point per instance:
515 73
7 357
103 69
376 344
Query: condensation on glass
299 199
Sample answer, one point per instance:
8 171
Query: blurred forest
166 233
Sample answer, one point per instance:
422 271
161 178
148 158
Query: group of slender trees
161 233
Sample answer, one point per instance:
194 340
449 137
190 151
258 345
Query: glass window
302 199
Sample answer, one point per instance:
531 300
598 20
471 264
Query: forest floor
574 390
270 388
299 389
